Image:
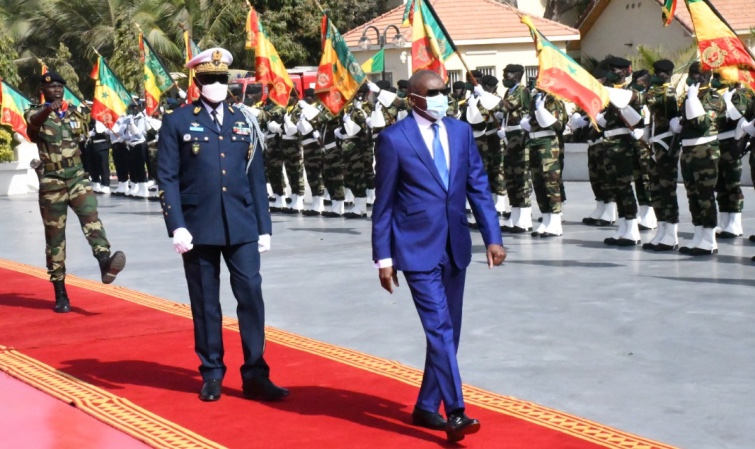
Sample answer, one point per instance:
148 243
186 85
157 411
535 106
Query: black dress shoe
311 213
210 390
589 221
664 247
752 238
644 228
474 225
627 242
62 303
649 246
354 215
459 425
536 234
685 249
263 390
611 241
600 222
331 214
519 230
429 420
546 235
702 252
726 235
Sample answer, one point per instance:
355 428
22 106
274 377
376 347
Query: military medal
187 137
195 148
196 110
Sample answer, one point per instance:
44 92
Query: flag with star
561 76
157 80
111 98
269 69
339 74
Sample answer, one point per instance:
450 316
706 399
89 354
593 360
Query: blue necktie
439 155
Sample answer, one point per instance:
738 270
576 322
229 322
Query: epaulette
168 111
197 109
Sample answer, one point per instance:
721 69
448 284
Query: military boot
62 304
111 265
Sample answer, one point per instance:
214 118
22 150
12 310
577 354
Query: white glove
501 133
378 107
728 96
600 119
338 133
675 124
273 127
263 244
525 123
182 94
255 112
539 101
358 104
316 134
91 134
693 90
478 90
638 133
303 104
731 111
749 128
182 240
373 87
577 121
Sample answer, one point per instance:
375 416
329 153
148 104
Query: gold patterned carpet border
106 407
562 422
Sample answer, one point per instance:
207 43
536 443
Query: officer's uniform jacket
206 186
56 140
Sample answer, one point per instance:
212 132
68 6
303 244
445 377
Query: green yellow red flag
157 79
667 11
339 75
561 76
719 47
111 99
269 69
375 63
431 46
13 106
191 49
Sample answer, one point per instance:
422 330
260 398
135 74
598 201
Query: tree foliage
8 56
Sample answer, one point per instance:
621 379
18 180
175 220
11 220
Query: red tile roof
472 20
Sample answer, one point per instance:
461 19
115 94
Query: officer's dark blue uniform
206 189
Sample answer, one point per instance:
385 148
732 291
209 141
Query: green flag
375 63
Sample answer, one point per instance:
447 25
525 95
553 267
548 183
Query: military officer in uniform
63 183
214 202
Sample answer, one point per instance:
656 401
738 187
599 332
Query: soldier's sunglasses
436 92
212 79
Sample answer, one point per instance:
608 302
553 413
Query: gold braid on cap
215 66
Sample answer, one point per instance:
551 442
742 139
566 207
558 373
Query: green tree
125 60
646 56
6 144
8 56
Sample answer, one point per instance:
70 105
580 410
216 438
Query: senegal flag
375 63
719 47
339 75
431 47
191 49
111 99
13 106
561 76
157 80
668 11
269 69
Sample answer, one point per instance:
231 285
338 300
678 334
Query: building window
489 70
454 76
530 73
375 77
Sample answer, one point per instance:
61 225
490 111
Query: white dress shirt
219 112
428 135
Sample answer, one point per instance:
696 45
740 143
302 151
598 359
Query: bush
6 145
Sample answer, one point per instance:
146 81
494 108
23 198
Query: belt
308 141
99 141
138 142
478 134
595 142
65 163
290 138
491 132
617 132
727 135
698 141
509 129
330 146
539 134
659 139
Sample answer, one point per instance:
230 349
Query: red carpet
127 359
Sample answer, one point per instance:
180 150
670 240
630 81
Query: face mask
401 94
612 78
437 106
716 83
507 83
690 81
656 81
215 92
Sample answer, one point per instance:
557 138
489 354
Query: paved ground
659 345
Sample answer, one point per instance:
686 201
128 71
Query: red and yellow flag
719 47
339 75
431 46
192 92
561 76
269 69
157 80
13 106
111 99
668 11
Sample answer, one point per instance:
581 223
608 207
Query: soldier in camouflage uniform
291 151
63 183
493 157
699 161
358 152
548 120
646 219
457 100
664 165
271 118
747 143
311 122
728 188
384 113
516 104
332 170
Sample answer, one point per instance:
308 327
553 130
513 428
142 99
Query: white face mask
215 92
437 105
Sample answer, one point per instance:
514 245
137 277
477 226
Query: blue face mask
437 105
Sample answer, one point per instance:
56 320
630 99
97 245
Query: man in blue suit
214 203
427 167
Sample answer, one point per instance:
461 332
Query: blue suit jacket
203 178
414 217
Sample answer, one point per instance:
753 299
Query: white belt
478 134
308 141
330 146
727 135
99 141
539 134
491 132
659 139
290 138
591 142
137 142
509 129
349 137
698 141
617 132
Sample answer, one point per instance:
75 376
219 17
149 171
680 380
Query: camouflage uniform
642 156
313 152
619 153
63 183
274 155
358 153
544 148
699 161
455 107
516 104
332 169
664 166
492 157
728 187
291 152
